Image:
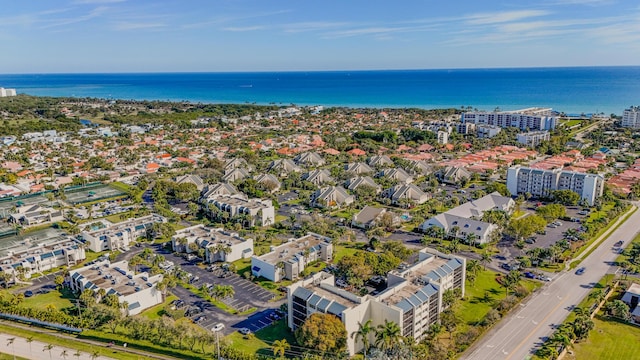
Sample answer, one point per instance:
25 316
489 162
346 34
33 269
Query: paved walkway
36 350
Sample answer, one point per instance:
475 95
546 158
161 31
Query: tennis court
94 193
30 239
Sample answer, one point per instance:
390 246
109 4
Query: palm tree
48 347
279 347
77 354
473 266
363 334
95 355
10 341
387 335
29 341
485 259
64 354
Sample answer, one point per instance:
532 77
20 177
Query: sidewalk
36 350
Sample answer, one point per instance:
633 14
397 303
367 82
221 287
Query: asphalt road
518 335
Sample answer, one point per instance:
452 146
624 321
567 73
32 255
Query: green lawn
157 311
4 356
261 341
609 340
59 299
340 251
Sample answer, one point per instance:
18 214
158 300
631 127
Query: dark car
580 271
530 275
28 293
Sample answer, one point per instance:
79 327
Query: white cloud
97 12
243 28
93 2
128 25
503 17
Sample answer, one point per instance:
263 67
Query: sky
80 36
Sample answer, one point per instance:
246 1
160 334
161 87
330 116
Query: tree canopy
323 332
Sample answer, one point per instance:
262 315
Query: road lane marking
535 329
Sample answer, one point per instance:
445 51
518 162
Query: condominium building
412 299
253 211
484 131
533 138
120 235
443 137
288 260
136 291
219 244
42 257
525 119
631 117
541 183
7 92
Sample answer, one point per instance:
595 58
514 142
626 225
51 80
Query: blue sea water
570 90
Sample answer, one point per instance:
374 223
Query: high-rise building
7 92
525 119
631 117
541 183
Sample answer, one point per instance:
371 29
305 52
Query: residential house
235 174
631 298
218 244
358 168
288 260
380 161
137 291
397 174
405 194
453 174
219 189
369 217
318 177
309 159
268 181
283 167
236 163
191 179
354 183
331 197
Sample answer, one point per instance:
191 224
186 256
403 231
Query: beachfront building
412 299
136 292
631 117
533 138
7 92
42 257
525 119
484 131
119 236
541 183
288 260
217 243
252 212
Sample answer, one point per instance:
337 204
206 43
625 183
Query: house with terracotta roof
356 152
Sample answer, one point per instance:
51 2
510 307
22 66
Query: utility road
518 335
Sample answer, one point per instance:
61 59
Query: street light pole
218 344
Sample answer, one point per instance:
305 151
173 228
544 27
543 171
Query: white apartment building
484 131
631 117
533 138
541 183
118 236
288 260
443 137
219 244
139 291
7 92
258 212
525 119
43 257
412 299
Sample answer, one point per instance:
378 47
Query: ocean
570 90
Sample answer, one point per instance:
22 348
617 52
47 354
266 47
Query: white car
217 327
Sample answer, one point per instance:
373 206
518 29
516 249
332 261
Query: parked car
529 275
28 293
217 327
580 271
244 331
200 318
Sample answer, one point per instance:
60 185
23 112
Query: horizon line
320 71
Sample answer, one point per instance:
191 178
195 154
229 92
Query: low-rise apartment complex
119 236
533 138
288 260
412 299
43 257
541 183
138 291
218 244
254 212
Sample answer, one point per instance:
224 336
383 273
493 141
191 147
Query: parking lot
260 320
